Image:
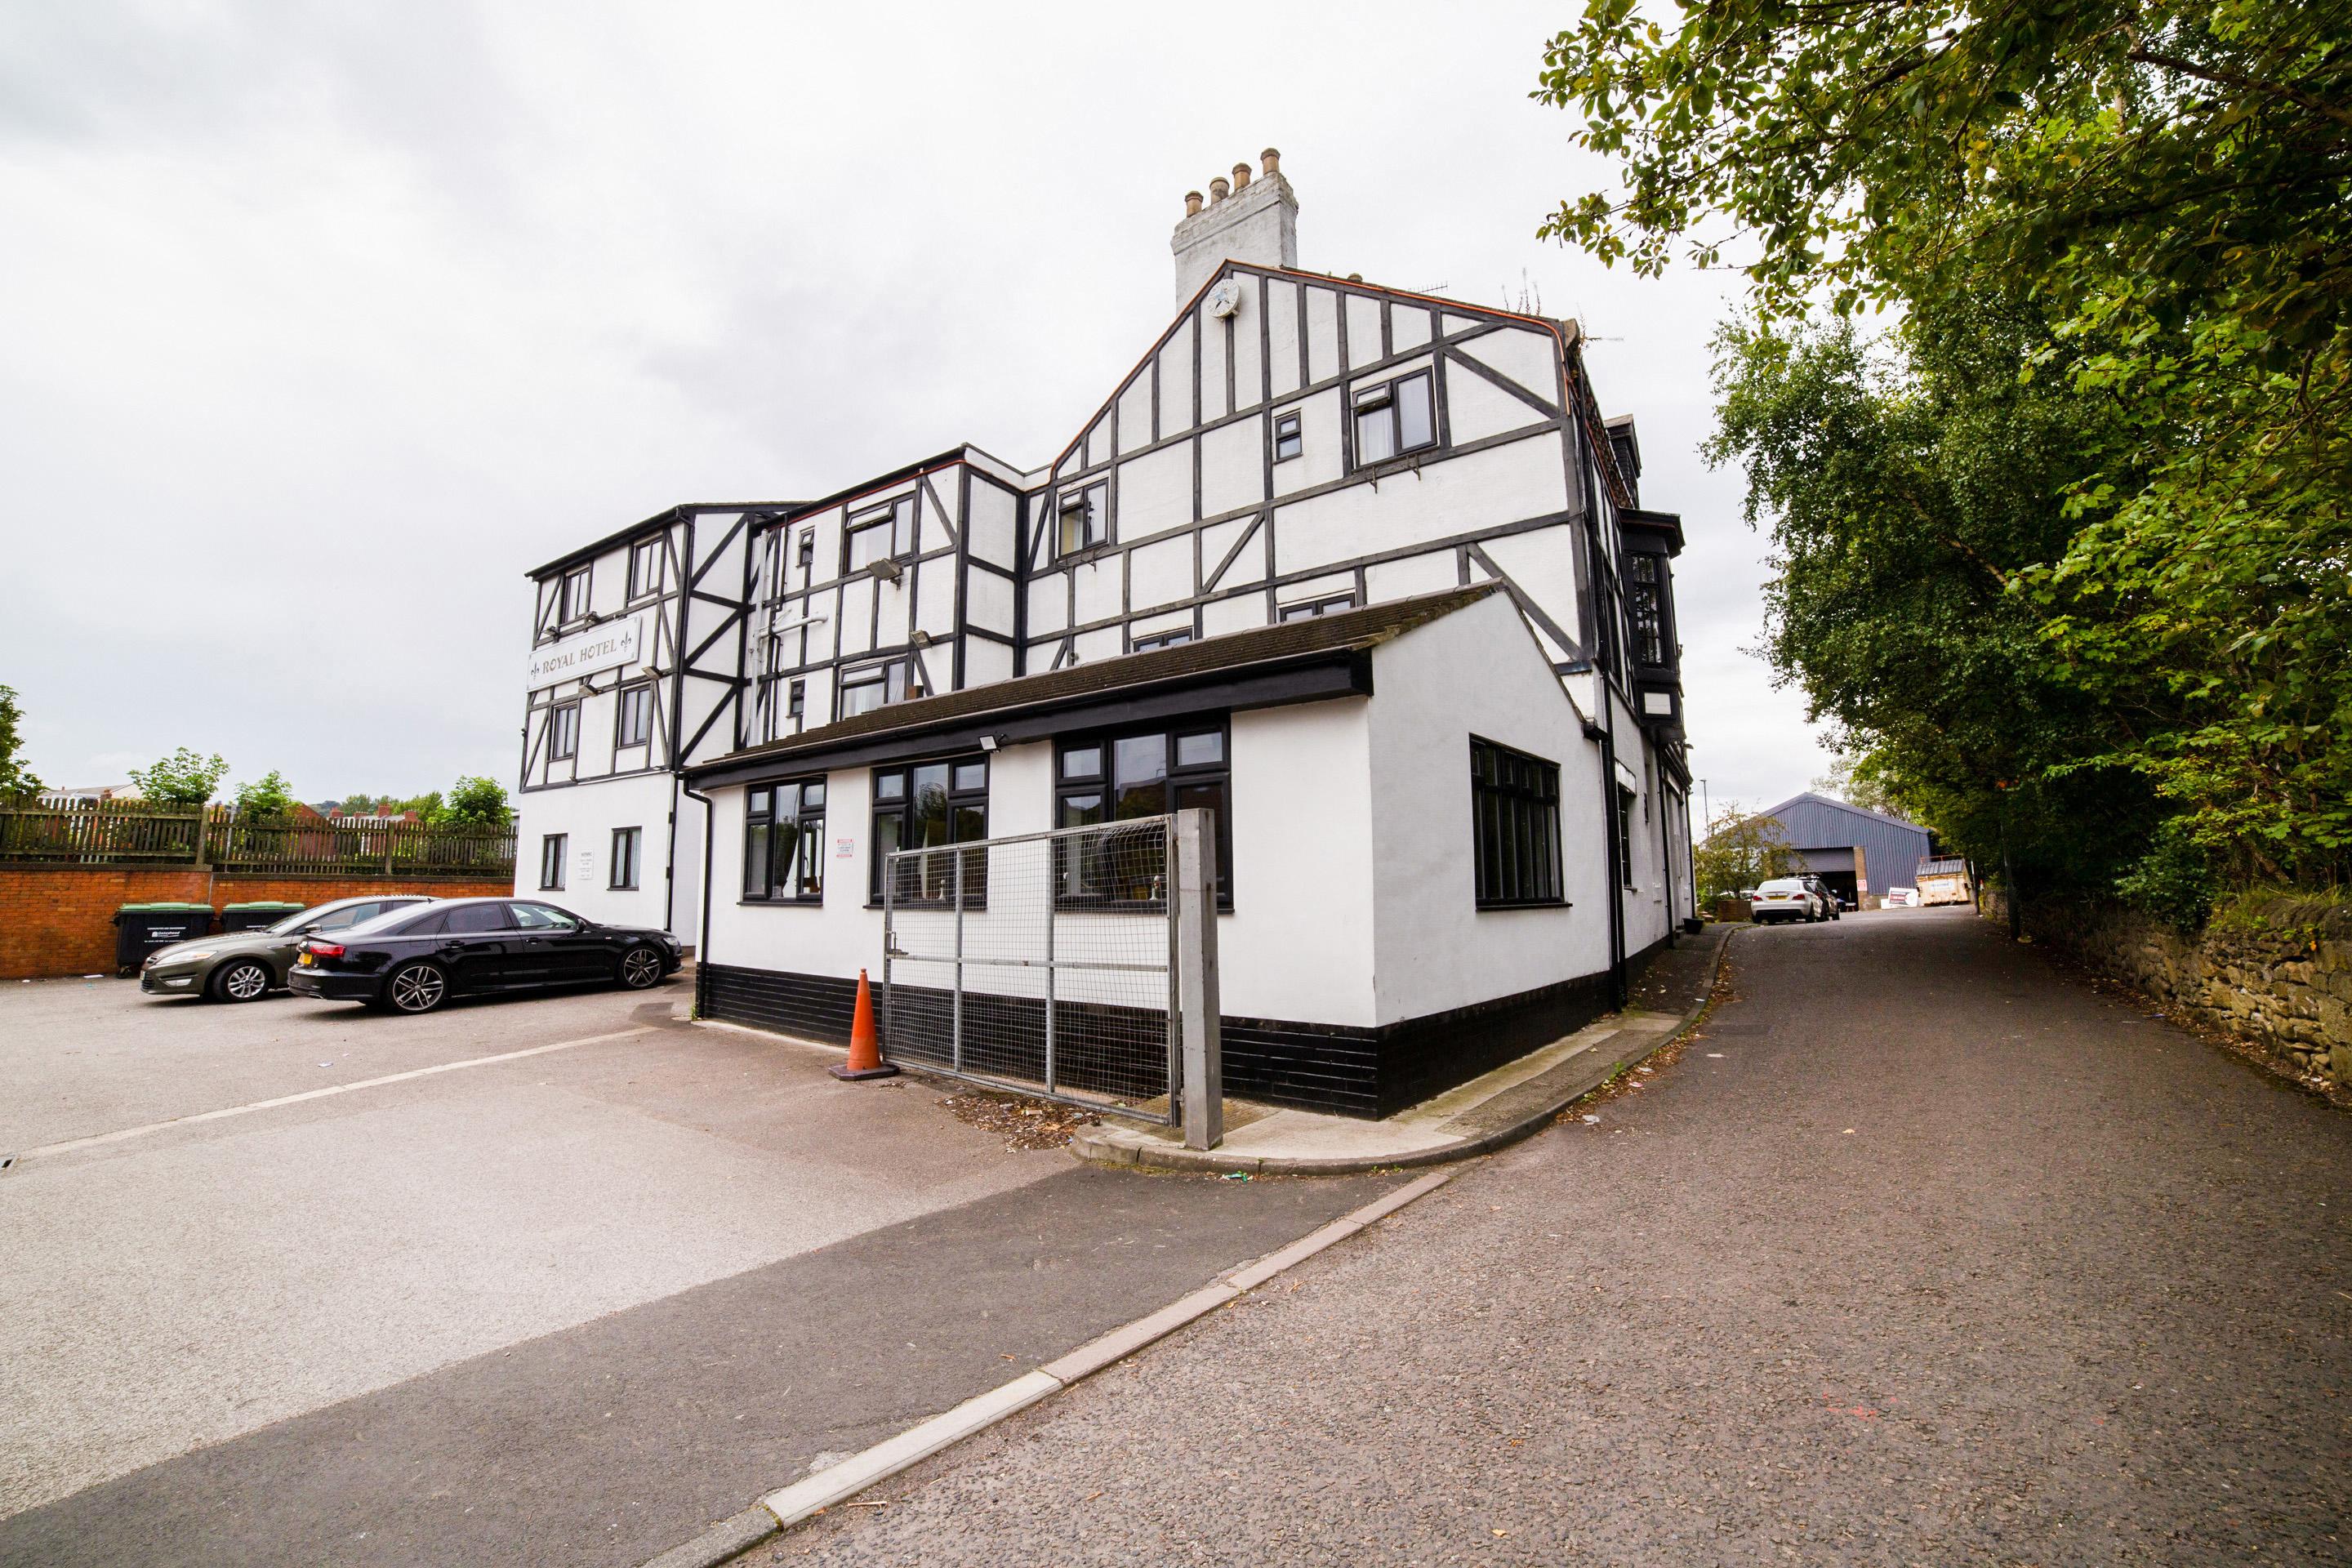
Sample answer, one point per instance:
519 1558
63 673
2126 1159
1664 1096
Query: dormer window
886 533
1082 519
1394 418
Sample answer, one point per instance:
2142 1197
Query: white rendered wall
1477 672
1296 946
587 814
1298 943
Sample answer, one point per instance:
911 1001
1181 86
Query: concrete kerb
788 1506
1597 1072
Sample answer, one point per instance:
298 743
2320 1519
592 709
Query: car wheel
243 980
640 968
416 987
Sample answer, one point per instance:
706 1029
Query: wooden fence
117 834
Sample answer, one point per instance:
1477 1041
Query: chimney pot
1271 160
1244 219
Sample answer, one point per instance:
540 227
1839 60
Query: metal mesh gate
1050 963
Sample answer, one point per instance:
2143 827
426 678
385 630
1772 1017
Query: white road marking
92 1142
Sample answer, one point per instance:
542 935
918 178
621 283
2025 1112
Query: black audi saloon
414 961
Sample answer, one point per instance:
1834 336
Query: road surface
1923 1253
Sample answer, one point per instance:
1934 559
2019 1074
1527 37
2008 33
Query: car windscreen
291 923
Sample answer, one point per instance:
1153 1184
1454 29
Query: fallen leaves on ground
1025 1123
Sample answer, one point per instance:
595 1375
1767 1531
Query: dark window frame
635 837
959 800
1625 834
1514 832
1309 610
1646 617
807 554
763 846
1387 395
1151 642
566 611
1289 431
563 731
1103 786
648 551
622 700
1093 499
553 849
890 515
909 683
796 700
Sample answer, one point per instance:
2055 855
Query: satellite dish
1225 298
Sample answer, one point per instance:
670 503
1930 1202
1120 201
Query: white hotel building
1366 572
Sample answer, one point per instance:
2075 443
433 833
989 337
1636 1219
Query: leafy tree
184 778
16 778
479 802
1907 482
2153 194
1859 779
264 799
1740 850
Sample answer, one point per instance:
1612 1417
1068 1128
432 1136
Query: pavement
1918 1252
529 1280
1496 1109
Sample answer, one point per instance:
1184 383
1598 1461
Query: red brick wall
59 919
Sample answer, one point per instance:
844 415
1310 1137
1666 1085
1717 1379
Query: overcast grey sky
324 322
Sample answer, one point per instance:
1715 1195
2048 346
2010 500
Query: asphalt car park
556 1279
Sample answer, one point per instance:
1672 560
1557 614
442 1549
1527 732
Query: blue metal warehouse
1853 850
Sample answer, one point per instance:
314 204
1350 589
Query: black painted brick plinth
1336 1068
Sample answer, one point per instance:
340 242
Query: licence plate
304 961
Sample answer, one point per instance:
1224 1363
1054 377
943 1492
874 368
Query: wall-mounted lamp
990 743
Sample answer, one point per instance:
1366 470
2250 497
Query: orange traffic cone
865 1049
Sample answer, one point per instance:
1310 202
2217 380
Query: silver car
1787 898
246 966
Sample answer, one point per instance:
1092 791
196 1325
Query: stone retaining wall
2276 971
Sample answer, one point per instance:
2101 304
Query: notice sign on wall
845 849
609 646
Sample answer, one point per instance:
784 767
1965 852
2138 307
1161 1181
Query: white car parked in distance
1787 898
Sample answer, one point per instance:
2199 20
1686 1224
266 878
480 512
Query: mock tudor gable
1301 477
